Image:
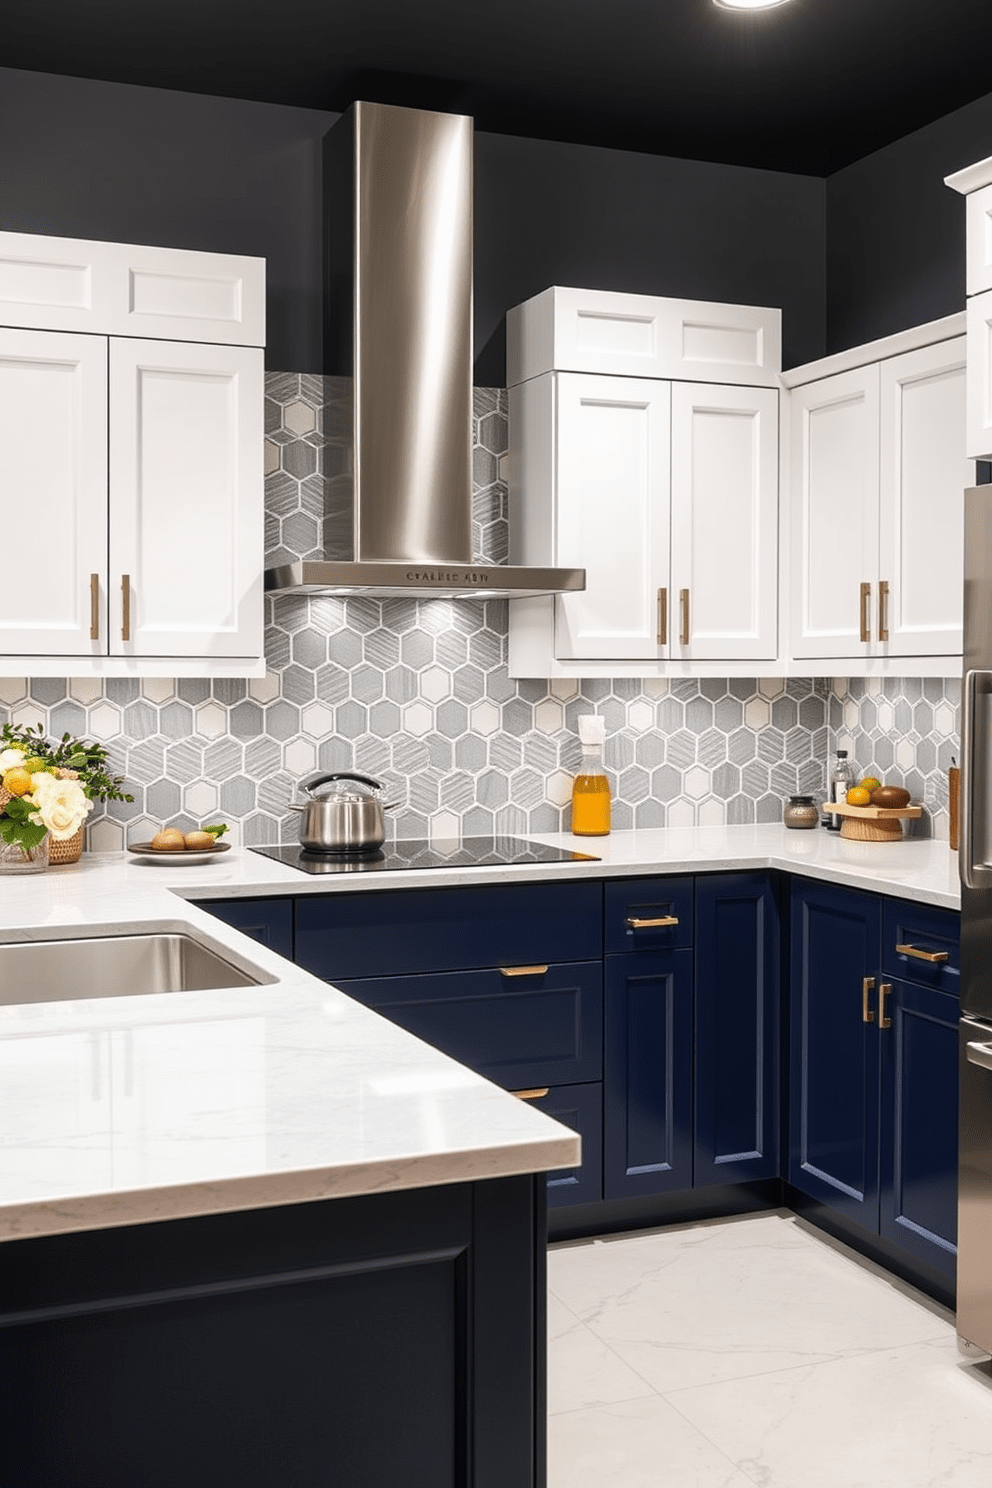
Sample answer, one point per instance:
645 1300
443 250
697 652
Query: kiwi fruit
890 796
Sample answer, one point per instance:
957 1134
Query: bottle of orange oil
591 789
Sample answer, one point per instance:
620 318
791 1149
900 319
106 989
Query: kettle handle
310 782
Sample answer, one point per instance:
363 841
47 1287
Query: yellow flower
17 781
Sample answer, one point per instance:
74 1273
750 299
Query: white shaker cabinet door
924 472
724 522
834 499
612 515
53 493
186 439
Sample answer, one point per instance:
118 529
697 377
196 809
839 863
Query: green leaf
218 830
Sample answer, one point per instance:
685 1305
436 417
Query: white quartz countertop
125 1110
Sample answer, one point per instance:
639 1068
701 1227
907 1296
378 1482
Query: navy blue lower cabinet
919 1135
647 1074
267 920
833 1140
581 1108
737 1064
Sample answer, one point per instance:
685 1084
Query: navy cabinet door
267 920
833 1139
737 1030
919 1137
647 1107
581 1108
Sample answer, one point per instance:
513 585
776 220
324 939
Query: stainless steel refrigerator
974 1291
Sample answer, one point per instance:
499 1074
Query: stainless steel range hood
398 329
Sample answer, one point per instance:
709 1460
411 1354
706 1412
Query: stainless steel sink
114 966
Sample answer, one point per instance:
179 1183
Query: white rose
62 804
11 757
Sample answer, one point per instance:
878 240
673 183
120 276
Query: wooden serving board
872 823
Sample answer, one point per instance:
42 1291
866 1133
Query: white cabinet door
724 574
924 472
980 377
834 503
186 499
612 515
53 493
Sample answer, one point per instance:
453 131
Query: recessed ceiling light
748 4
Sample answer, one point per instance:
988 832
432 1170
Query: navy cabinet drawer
392 934
632 904
543 1028
581 1108
267 920
925 930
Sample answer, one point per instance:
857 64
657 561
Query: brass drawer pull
684 602
125 607
662 617
634 923
94 607
538 1094
867 987
883 992
918 955
865 604
512 971
883 609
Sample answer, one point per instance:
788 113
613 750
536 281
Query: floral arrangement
48 788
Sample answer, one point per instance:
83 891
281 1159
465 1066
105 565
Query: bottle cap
592 728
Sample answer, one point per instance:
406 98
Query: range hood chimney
398 327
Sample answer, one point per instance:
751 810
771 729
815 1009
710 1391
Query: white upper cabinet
134 464
123 289
665 492
186 441
979 241
878 471
975 183
724 522
632 335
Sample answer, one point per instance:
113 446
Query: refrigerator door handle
979 1054
976 751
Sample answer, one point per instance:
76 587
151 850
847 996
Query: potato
199 841
170 839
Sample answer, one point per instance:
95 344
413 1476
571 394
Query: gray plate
195 855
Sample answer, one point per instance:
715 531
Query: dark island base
370 1342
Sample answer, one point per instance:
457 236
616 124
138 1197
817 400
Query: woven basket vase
69 851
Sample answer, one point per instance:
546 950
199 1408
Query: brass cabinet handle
884 989
537 1094
662 617
865 606
918 955
512 971
867 987
125 607
634 923
684 603
94 607
883 609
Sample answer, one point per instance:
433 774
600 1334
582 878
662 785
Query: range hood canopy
398 351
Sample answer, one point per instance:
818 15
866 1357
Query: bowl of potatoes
171 845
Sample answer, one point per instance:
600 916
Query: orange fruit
17 780
858 796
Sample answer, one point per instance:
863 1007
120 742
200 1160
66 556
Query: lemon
869 783
858 796
17 780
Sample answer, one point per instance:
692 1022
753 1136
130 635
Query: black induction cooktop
466 852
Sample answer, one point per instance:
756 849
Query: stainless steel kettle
342 821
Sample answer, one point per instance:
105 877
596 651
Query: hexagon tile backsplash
417 695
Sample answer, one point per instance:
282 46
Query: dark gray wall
895 232
106 160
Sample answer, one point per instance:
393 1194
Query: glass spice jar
801 813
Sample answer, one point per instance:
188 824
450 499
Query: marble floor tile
914 1417
635 1444
582 1370
722 1301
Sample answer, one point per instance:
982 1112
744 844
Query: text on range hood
398 347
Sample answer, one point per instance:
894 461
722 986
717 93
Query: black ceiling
809 86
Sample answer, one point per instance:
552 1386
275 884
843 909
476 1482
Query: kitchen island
250 1226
